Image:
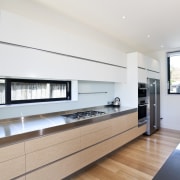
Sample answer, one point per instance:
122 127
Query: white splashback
96 97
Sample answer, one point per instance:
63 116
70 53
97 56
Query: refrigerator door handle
155 90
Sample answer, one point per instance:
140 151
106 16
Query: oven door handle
141 105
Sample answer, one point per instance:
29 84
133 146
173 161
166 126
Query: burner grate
84 115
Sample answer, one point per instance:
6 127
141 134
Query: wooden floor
138 160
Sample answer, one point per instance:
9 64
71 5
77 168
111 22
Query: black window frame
9 81
5 91
169 54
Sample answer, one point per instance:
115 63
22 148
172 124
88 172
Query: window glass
2 91
14 91
174 73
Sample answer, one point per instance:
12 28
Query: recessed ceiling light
123 17
161 46
148 36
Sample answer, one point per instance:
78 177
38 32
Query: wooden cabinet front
94 133
124 123
57 170
12 161
61 154
44 150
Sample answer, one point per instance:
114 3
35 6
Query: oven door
142 114
142 90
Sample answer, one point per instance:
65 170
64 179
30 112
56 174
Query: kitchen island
52 145
23 128
170 169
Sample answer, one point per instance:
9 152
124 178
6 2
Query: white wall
169 103
30 24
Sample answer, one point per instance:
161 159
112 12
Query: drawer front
50 140
42 157
58 170
123 123
95 152
95 127
95 137
123 138
142 129
12 168
11 152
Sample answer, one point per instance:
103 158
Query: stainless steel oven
142 104
142 90
142 112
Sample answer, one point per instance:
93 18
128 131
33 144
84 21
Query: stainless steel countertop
23 128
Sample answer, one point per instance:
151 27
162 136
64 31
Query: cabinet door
142 60
153 65
124 123
12 161
121 139
12 168
95 152
58 170
11 152
46 141
142 75
85 70
44 150
154 75
42 157
92 134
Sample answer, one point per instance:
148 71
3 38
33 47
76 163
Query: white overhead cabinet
31 63
139 68
147 67
142 65
153 68
142 75
35 50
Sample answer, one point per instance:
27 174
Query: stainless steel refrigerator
153 108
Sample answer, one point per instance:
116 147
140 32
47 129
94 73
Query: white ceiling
157 18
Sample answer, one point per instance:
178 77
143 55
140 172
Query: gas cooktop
84 115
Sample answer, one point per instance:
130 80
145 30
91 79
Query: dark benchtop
171 168
23 128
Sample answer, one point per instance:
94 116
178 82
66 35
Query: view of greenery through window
174 73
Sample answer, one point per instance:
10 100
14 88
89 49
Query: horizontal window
28 91
2 91
174 73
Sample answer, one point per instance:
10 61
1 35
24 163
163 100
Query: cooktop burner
84 115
